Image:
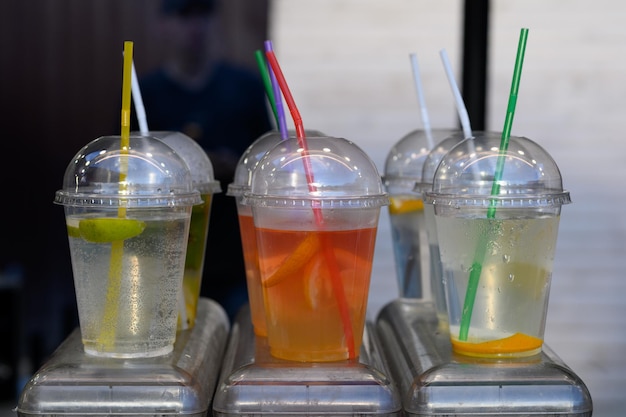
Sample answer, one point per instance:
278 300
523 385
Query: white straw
460 105
422 102
138 101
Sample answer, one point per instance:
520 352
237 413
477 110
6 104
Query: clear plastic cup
127 211
316 212
429 166
241 184
403 169
204 181
497 243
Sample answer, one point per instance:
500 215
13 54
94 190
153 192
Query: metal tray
253 383
433 381
183 382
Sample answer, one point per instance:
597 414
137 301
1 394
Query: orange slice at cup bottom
400 206
516 343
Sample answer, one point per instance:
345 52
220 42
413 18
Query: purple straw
282 123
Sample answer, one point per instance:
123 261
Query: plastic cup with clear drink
497 239
241 184
429 166
316 211
204 181
127 211
403 169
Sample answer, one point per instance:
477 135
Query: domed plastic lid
147 174
403 166
431 162
436 155
253 154
465 175
341 176
195 157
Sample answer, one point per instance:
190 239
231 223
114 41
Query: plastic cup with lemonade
127 212
497 249
204 182
403 169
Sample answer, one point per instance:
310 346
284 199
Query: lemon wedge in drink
72 229
108 229
401 205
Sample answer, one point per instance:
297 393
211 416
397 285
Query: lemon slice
109 229
72 228
399 205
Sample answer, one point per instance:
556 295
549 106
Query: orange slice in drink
318 288
401 205
295 261
518 342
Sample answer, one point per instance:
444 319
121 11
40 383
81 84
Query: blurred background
347 64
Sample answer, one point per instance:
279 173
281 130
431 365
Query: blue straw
282 122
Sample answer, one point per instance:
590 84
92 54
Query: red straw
328 252
297 120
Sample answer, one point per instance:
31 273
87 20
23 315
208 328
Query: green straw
267 82
476 269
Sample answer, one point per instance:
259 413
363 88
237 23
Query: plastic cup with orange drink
315 212
241 184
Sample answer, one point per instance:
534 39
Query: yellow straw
126 93
110 316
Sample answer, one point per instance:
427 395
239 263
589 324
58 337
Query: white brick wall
347 65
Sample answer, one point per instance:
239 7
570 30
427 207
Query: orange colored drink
253 277
303 313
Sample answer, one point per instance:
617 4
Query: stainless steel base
73 383
433 381
253 383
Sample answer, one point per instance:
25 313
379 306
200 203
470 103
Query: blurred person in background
220 105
